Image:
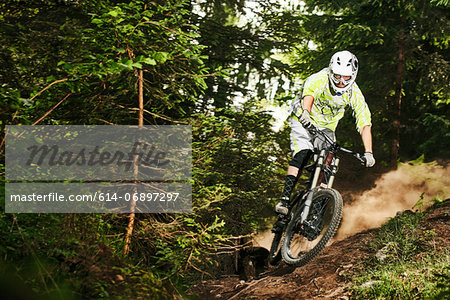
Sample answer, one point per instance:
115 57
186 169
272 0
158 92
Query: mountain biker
324 98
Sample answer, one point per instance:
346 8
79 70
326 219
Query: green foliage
239 166
90 53
426 279
67 256
184 249
440 2
419 204
408 264
437 128
240 43
154 37
405 236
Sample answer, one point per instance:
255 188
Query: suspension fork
313 188
319 174
334 169
329 170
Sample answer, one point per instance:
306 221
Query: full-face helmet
342 71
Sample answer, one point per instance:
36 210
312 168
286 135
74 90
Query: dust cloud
395 191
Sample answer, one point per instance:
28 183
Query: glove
370 160
305 119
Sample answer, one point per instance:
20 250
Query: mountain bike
314 212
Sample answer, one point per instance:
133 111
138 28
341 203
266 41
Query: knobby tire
330 224
275 249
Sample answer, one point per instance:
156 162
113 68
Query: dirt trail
323 277
326 277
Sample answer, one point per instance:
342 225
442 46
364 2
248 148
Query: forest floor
328 276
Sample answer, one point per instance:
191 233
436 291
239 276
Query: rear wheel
302 242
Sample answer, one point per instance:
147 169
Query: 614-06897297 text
107 197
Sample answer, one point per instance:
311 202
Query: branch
47 87
150 113
247 287
105 121
51 109
38 120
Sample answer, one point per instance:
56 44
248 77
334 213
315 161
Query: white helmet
342 63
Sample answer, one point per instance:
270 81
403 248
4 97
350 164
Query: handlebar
314 132
358 156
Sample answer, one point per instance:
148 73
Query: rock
384 253
371 283
344 269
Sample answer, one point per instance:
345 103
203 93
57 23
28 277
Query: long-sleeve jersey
328 109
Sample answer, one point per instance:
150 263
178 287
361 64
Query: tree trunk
398 97
132 215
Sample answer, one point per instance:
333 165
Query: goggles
341 78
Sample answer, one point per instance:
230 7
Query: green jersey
328 109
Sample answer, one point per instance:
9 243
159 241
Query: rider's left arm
366 136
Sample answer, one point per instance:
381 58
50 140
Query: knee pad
300 158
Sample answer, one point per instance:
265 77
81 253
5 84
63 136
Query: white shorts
301 140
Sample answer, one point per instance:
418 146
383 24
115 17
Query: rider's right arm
313 88
307 102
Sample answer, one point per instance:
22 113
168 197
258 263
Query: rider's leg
293 173
300 146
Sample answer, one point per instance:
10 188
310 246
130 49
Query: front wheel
278 232
275 249
302 242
